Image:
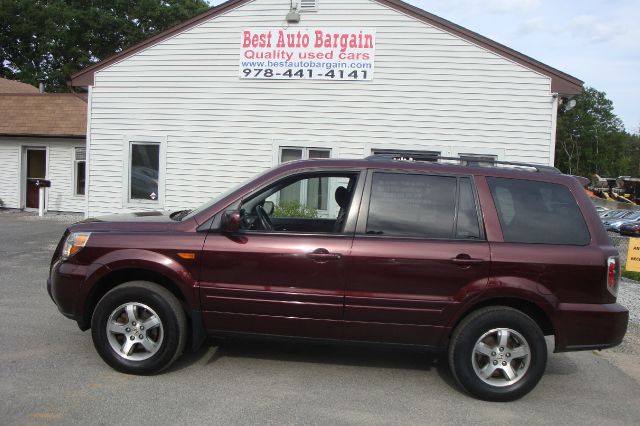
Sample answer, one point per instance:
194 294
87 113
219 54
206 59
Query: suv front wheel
139 328
498 353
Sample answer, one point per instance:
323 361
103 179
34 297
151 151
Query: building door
36 159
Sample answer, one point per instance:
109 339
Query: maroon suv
482 260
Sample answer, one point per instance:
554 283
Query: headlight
74 243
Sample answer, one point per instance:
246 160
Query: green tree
53 39
591 138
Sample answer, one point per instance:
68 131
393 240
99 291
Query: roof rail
465 161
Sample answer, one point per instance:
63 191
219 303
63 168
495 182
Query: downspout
87 177
554 126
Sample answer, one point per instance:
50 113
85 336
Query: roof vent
308 5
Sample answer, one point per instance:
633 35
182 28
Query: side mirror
231 221
268 207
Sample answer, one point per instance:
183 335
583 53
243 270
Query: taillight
613 275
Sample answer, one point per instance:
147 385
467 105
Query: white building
190 112
42 136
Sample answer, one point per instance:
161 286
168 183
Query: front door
282 273
418 251
36 163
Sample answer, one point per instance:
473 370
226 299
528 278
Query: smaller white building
42 136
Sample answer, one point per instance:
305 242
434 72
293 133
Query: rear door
419 249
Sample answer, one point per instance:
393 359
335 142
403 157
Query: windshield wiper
177 216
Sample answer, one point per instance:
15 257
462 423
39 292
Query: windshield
219 197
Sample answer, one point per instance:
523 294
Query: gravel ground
49 217
629 294
629 297
622 244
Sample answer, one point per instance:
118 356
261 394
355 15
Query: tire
139 328
498 354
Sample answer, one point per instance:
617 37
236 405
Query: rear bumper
581 327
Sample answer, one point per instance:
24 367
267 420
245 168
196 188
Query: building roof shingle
43 114
12 86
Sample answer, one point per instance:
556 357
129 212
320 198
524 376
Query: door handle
466 260
323 255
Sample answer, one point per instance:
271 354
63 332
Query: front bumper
581 327
64 285
66 314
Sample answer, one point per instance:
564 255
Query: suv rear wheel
139 328
498 354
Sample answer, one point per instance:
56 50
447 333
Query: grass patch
631 275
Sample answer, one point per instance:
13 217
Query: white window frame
74 179
305 156
128 142
22 183
370 148
480 158
497 153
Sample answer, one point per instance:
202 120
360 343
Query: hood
157 216
130 222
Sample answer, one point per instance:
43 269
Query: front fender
146 260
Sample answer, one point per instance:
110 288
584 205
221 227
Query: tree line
53 39
591 139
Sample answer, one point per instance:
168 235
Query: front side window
144 168
278 208
79 170
538 212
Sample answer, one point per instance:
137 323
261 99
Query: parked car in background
631 229
612 214
477 261
601 210
613 224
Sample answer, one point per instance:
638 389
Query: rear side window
538 212
413 205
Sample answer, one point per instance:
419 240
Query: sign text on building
311 54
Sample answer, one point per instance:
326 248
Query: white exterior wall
60 171
9 173
431 91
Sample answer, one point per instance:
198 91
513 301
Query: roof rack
465 161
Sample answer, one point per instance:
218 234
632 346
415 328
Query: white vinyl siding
60 171
432 91
9 173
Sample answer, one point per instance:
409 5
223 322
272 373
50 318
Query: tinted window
467 226
538 212
412 205
145 165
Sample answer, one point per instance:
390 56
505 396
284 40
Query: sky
594 40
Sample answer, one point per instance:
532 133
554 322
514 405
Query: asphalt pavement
50 373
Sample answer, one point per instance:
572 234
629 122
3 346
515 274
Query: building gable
561 83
